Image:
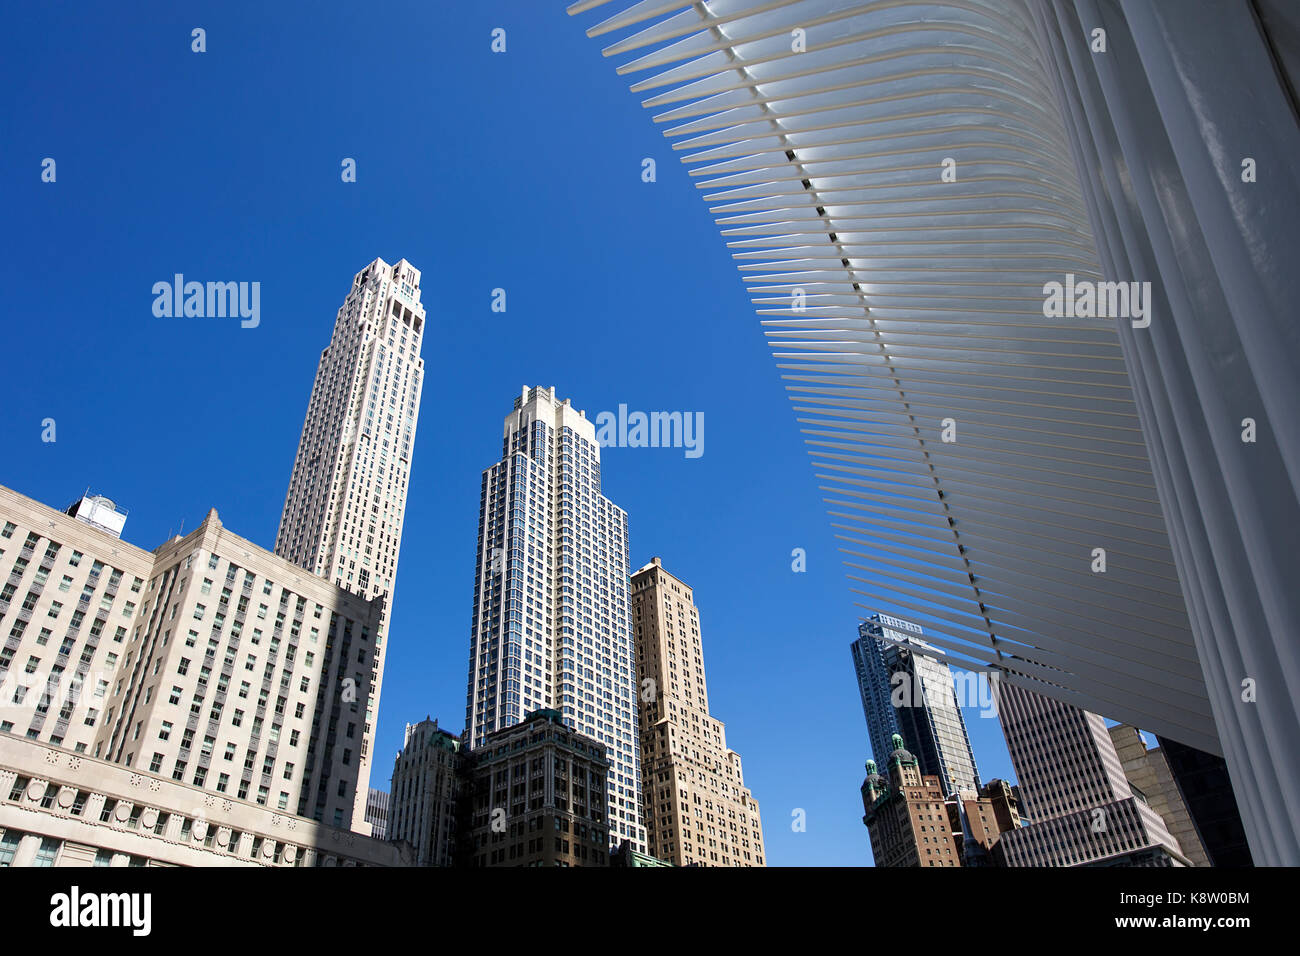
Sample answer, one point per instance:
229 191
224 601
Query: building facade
978 818
1149 774
428 790
343 512
209 661
697 808
539 797
377 813
906 691
1081 808
905 814
59 807
550 626
72 597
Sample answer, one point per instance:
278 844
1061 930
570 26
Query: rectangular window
48 851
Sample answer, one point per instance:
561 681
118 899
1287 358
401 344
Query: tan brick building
906 815
978 817
697 808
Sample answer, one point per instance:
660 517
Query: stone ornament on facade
65 798
121 812
199 831
149 819
36 790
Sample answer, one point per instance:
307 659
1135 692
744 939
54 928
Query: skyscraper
550 624
1081 808
697 808
909 693
343 513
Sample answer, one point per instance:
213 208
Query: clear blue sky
519 171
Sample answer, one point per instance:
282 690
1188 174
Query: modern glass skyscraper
551 624
343 513
908 693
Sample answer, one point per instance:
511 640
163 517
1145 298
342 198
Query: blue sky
519 171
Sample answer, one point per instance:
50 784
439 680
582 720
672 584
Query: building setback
908 692
343 511
1081 808
697 808
550 620
538 797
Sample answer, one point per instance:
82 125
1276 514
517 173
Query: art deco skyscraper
906 692
342 516
550 625
697 808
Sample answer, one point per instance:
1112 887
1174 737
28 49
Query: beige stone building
1148 773
209 661
697 808
346 500
72 593
426 795
59 807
